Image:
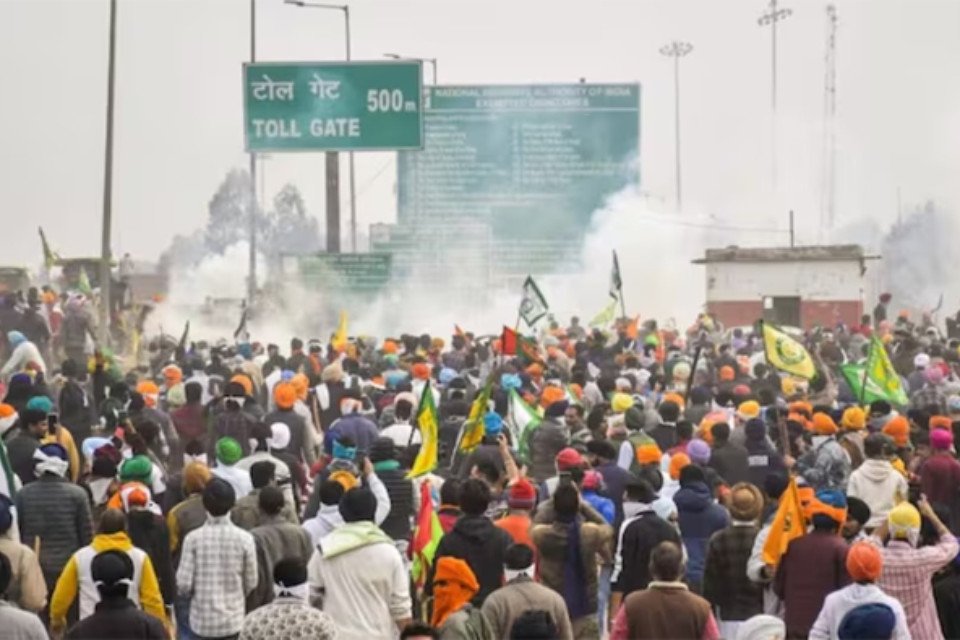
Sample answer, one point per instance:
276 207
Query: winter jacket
482 545
297 426
881 486
185 517
76 579
20 449
149 532
699 517
488 450
58 513
234 423
276 539
546 442
551 542
725 581
615 481
20 625
76 410
246 512
509 602
940 482
400 489
281 474
839 603
190 425
826 465
731 462
327 519
665 435
813 566
359 428
603 505
468 623
639 534
118 619
762 460
27 588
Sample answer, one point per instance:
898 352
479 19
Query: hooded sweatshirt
881 486
326 520
76 576
699 518
359 576
483 546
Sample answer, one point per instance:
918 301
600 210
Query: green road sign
528 165
332 106
346 272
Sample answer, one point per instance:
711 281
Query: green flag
877 380
524 421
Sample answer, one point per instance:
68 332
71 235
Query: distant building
791 286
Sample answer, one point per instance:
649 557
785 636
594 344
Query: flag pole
866 372
693 372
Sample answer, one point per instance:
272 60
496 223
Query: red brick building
791 286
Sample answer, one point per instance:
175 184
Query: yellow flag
340 337
788 524
429 426
473 428
786 354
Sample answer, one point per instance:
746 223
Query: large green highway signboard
521 168
333 106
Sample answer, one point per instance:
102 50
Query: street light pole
332 157
431 61
252 268
771 18
677 50
105 253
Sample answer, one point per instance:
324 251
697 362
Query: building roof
821 253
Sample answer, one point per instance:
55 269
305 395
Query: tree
229 212
289 229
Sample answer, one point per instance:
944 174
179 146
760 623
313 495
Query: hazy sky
178 126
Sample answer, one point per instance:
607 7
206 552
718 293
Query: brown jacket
551 542
509 602
27 587
667 610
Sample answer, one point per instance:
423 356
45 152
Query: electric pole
829 168
771 18
105 252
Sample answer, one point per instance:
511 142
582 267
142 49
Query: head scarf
454 586
342 452
51 458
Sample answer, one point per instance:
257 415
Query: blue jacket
604 506
359 428
699 518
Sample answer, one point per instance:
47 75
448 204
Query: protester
276 538
247 513
813 566
357 576
864 565
218 567
548 440
568 550
726 586
289 615
16 624
666 609
520 593
699 518
876 482
728 459
25 585
76 579
826 465
908 569
454 585
476 540
521 499
400 490
115 616
228 454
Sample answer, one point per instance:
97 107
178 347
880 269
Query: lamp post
252 266
333 176
431 61
677 50
105 253
771 18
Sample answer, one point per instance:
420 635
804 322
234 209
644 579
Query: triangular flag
788 524
50 257
426 537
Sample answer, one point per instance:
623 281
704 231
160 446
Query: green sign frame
333 106
344 272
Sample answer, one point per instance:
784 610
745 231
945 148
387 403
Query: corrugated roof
820 253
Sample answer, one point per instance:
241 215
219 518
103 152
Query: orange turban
389 346
941 422
677 462
899 429
727 374
150 392
285 395
649 454
420 371
675 398
244 381
300 384
823 425
550 395
801 407
172 375
535 370
864 562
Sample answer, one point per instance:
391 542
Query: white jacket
881 486
23 354
839 603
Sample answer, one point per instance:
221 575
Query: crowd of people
631 482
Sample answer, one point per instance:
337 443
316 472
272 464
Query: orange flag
788 524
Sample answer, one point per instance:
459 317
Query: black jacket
118 619
482 545
665 436
400 490
639 538
730 461
148 531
